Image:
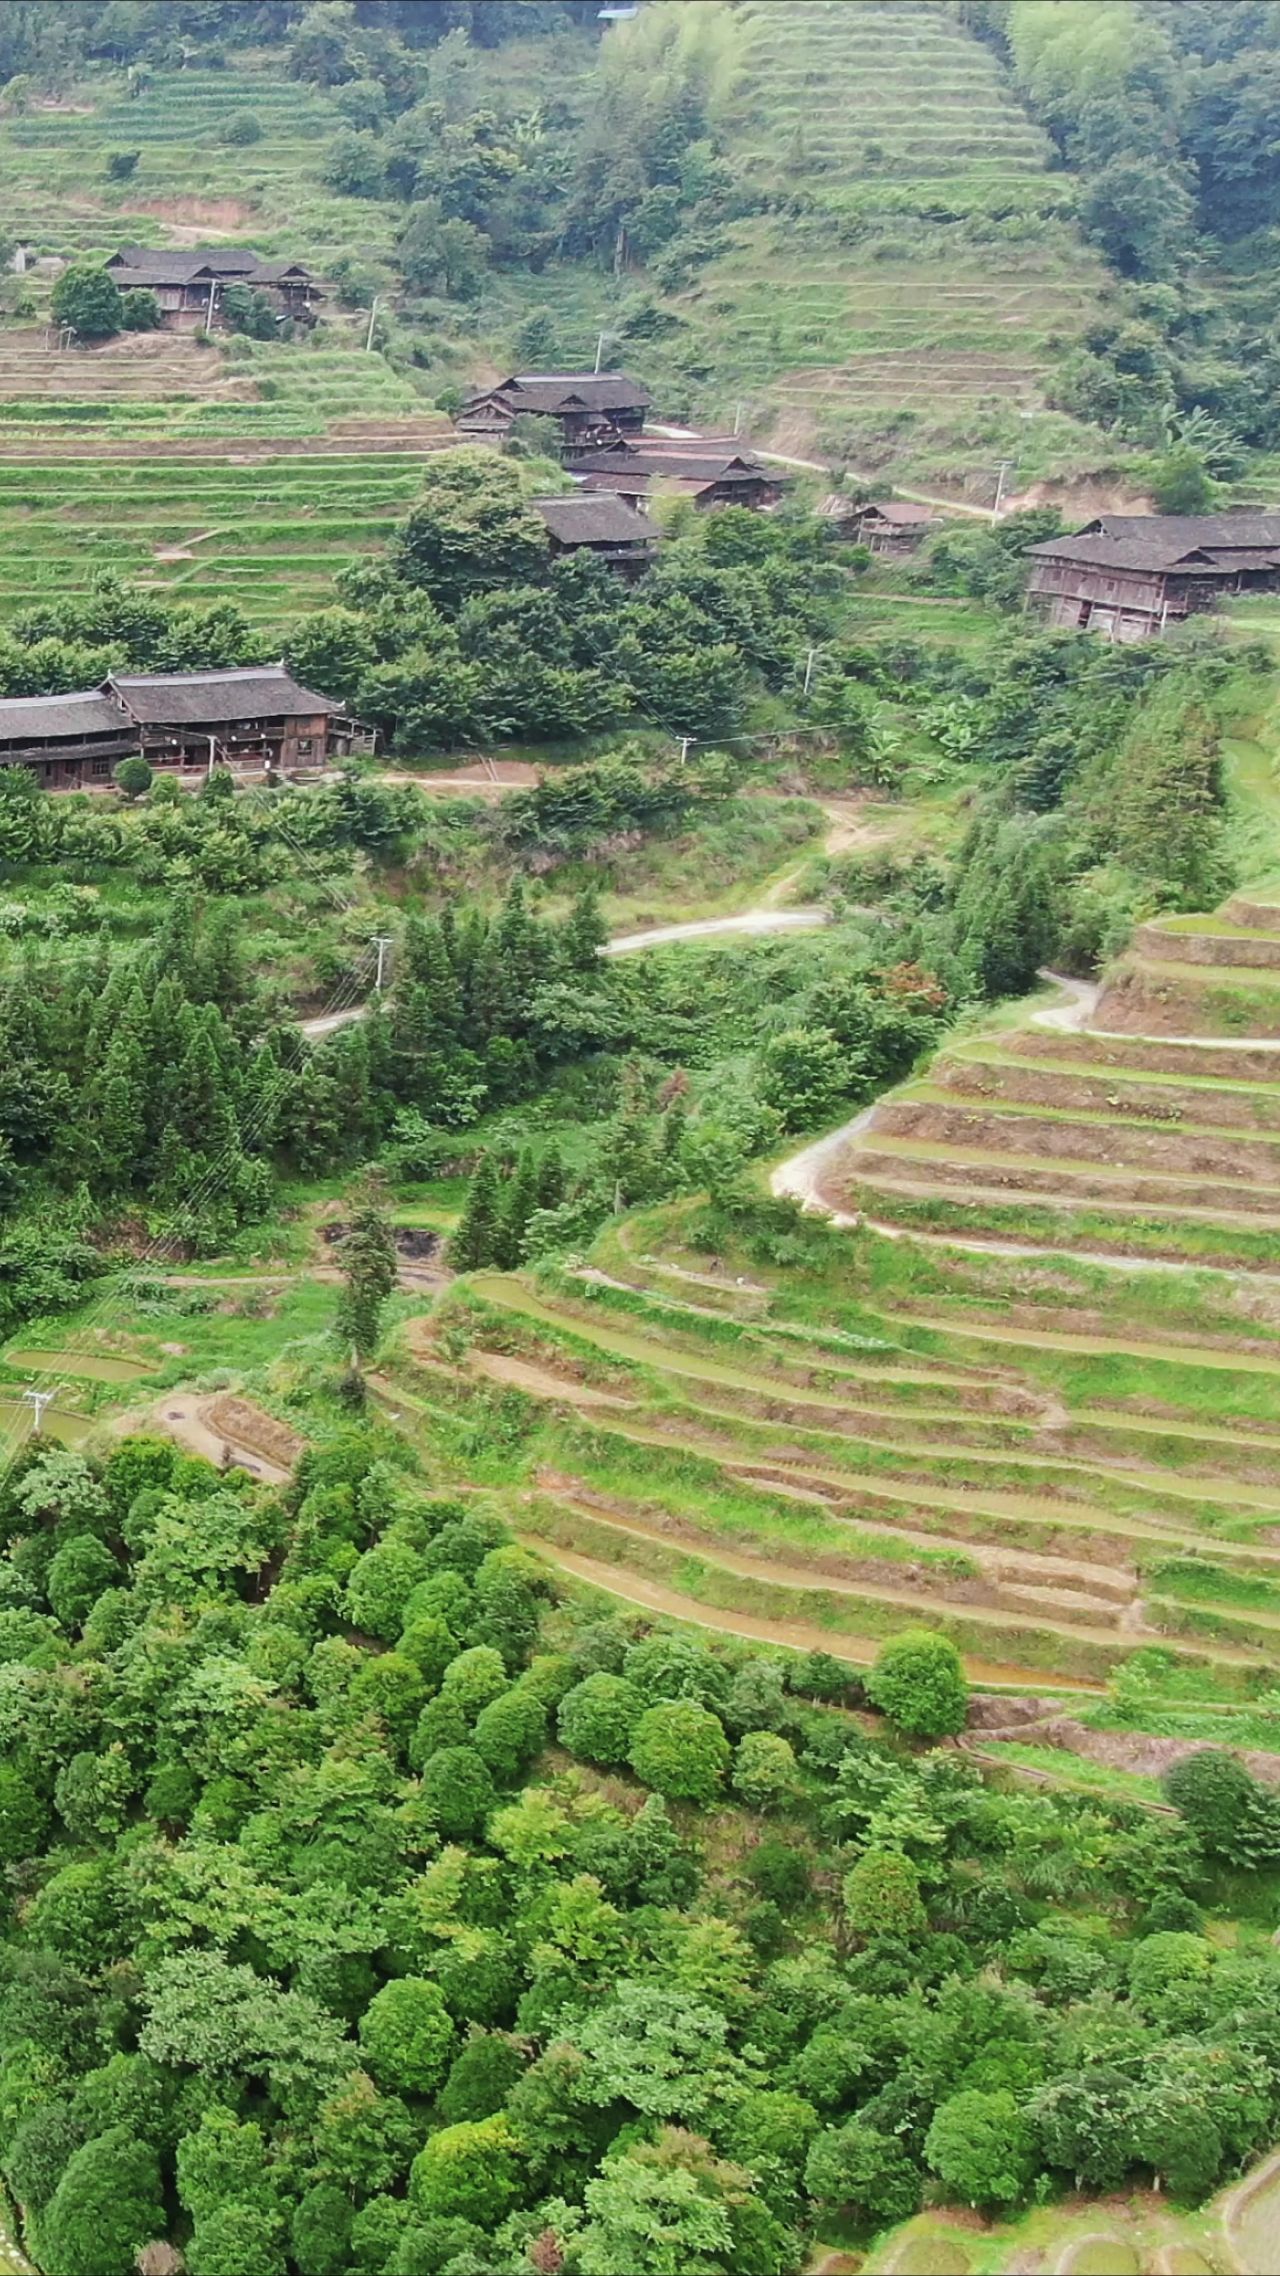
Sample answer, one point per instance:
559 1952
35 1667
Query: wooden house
189 284
600 522
710 471
891 526
589 406
68 741
257 717
1129 575
257 720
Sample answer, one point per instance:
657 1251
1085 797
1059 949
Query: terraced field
57 198
248 470
1126 1136
887 289
267 530
934 1442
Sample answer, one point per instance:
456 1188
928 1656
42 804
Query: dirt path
763 920
1076 1018
191 1420
803 1176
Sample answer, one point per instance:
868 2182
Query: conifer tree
518 1204
367 1254
551 1179
479 1228
585 933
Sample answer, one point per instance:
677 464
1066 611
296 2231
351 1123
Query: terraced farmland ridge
855 108
247 470
1152 1131
1028 1427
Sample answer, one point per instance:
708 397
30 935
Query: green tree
918 1681
680 1749
479 1230
480 2078
856 2170
457 1792
598 1717
367 1257
1180 482
666 2208
88 300
24 1816
407 2036
981 2146
78 1574
882 1895
468 2172
471 530
133 777
805 1074
107 2205
510 1731
320 2231
764 1770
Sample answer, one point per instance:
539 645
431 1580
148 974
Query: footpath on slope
811 1173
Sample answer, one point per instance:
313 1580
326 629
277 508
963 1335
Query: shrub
598 1718
919 1682
242 127
134 777
680 1749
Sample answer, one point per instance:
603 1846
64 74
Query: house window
99 766
304 746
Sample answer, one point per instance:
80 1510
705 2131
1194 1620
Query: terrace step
984 1176
1163 1145
1219 943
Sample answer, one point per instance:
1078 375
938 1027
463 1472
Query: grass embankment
881 307
694 1430
1116 1143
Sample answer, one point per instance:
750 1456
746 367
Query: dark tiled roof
631 484
551 392
201 264
194 699
697 463
593 518
30 718
1204 544
899 512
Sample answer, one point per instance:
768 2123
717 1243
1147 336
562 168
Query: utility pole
600 350
1006 467
808 671
686 745
38 1401
737 418
208 317
382 942
373 311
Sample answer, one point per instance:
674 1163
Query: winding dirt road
749 921
803 1176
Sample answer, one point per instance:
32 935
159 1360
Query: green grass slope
911 291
